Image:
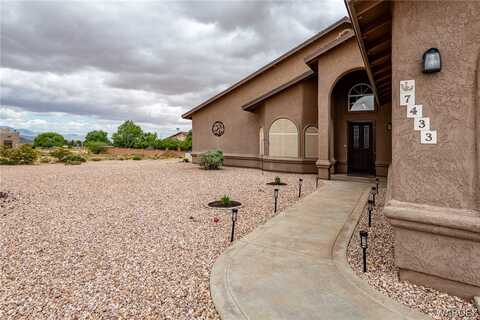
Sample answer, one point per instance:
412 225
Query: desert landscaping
123 239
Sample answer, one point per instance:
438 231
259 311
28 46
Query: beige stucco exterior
434 190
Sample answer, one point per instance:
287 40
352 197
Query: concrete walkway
294 267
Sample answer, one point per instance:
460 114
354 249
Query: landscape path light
373 192
300 182
377 182
370 208
364 245
316 182
275 196
234 219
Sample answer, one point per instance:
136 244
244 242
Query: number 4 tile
414 111
422 124
428 137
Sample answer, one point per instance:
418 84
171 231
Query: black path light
234 219
373 193
377 181
275 196
300 182
370 208
364 245
316 182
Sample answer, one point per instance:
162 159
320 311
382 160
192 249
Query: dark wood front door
360 148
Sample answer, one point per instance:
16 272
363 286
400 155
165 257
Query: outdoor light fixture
300 182
432 62
234 219
370 208
316 182
373 193
275 195
364 245
377 182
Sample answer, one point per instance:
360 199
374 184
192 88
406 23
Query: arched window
261 142
360 98
311 142
283 139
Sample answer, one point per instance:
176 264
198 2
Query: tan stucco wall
331 67
445 174
380 118
241 134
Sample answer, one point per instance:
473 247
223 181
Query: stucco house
9 138
394 91
180 136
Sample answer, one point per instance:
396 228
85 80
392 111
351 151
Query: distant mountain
30 135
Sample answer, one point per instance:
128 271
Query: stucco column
324 163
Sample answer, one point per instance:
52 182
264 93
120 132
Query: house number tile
407 92
422 124
428 137
414 111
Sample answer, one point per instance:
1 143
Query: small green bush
24 154
225 200
96 147
74 158
136 158
211 160
73 162
60 153
96 159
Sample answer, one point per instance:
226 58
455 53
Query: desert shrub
74 158
44 160
72 162
24 154
211 160
96 159
96 147
225 200
186 160
136 157
60 153
186 144
49 140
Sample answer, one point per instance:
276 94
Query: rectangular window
366 137
356 137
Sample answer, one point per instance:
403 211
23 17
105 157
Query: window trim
298 142
305 140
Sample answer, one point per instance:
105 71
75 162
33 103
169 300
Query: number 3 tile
422 124
428 137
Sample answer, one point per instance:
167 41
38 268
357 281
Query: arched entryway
360 126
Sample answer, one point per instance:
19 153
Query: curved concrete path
294 266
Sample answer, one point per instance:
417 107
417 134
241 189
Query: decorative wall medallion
218 128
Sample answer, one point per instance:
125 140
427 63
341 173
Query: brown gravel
122 239
383 275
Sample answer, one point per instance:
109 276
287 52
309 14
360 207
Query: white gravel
383 275
122 239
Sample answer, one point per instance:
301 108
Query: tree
128 133
186 144
49 140
97 136
147 140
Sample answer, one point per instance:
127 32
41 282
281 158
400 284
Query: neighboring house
181 136
335 104
9 138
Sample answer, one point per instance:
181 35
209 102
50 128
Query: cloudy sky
76 66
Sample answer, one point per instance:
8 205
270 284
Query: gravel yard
122 239
382 273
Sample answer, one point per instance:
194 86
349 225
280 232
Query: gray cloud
147 61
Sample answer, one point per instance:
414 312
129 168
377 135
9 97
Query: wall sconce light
432 62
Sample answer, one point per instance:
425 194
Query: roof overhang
252 105
311 59
372 22
344 20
